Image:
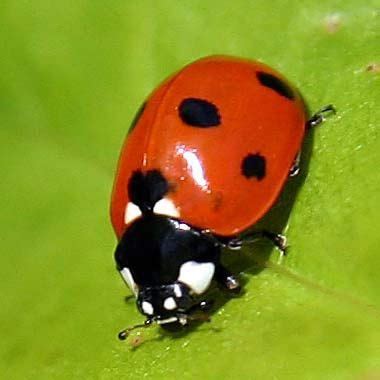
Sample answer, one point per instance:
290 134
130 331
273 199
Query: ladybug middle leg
226 279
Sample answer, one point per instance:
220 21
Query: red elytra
261 114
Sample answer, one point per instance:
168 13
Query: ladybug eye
276 84
199 113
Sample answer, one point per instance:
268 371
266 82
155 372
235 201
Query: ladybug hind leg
295 169
320 116
278 240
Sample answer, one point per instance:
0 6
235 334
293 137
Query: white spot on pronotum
127 277
147 307
197 276
170 304
166 207
177 291
131 212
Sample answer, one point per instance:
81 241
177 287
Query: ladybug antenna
125 333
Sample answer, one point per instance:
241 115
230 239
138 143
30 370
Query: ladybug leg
226 279
315 120
320 116
295 169
203 306
278 240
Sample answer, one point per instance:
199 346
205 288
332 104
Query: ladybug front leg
226 279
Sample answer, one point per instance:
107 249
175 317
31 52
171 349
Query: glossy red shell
204 165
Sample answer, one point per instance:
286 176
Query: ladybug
206 157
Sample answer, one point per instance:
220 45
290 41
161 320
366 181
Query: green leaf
73 74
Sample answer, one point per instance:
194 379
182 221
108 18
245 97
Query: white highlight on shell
197 276
132 212
147 307
166 207
128 278
170 304
196 168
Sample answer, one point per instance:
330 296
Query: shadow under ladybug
207 157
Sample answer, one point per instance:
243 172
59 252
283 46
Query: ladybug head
165 303
170 306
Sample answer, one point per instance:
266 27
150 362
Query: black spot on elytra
136 118
145 190
199 113
276 84
254 166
